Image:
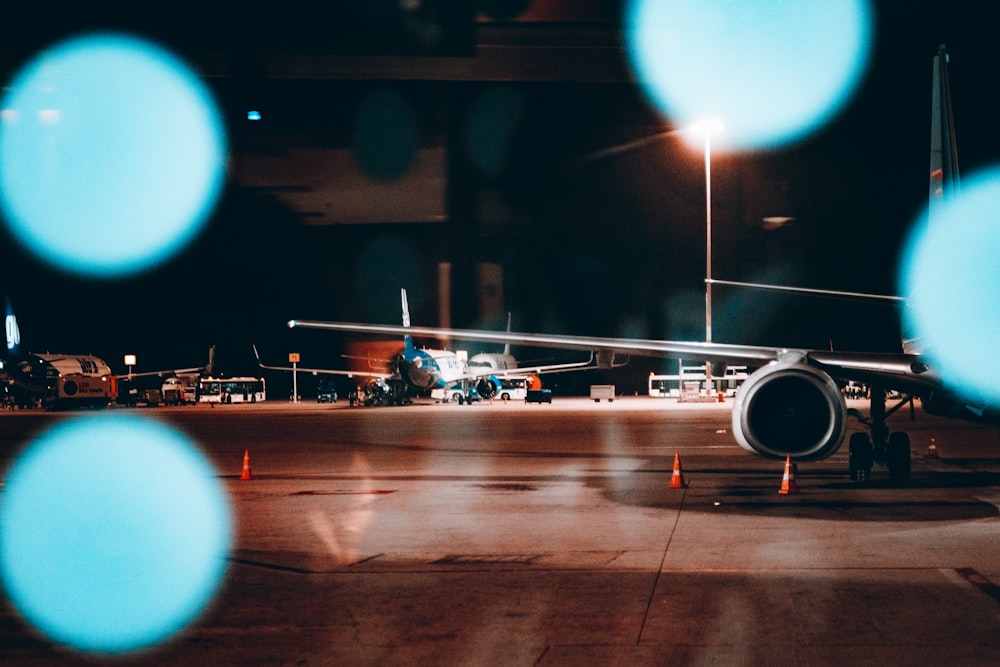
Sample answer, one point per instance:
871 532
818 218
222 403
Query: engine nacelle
790 408
487 387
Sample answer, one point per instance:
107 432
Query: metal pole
708 237
708 254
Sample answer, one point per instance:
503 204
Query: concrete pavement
547 535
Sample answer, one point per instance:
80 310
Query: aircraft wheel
861 455
897 456
461 399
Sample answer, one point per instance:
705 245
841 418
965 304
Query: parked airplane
792 404
52 380
501 365
177 386
416 369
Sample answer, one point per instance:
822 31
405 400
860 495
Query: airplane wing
641 347
164 373
206 368
323 371
905 372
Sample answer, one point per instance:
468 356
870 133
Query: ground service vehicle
538 396
457 394
514 389
178 390
327 392
231 390
599 391
73 380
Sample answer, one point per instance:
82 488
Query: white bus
514 388
664 386
693 378
231 390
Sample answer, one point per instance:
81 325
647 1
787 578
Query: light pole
708 236
707 127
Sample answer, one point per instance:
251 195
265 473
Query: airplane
51 380
501 365
421 369
792 406
412 369
172 388
62 381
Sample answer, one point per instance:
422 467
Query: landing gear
889 449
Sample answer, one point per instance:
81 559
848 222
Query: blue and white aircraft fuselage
427 369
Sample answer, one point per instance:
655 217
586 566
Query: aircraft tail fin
506 346
12 333
407 340
944 175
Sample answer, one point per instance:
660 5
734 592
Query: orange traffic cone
677 479
932 451
246 466
788 480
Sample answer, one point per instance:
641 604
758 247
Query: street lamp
707 127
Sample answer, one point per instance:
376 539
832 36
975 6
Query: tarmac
515 534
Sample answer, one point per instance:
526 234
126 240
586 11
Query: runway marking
376 492
270 566
978 581
693 447
991 500
487 559
659 573
507 487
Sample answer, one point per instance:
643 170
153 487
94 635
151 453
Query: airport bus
515 388
231 390
692 378
664 386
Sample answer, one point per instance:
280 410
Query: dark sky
606 247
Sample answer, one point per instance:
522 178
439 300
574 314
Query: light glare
775 70
112 155
114 533
949 274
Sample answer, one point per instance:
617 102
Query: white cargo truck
599 391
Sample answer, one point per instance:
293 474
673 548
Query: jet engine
487 387
790 408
